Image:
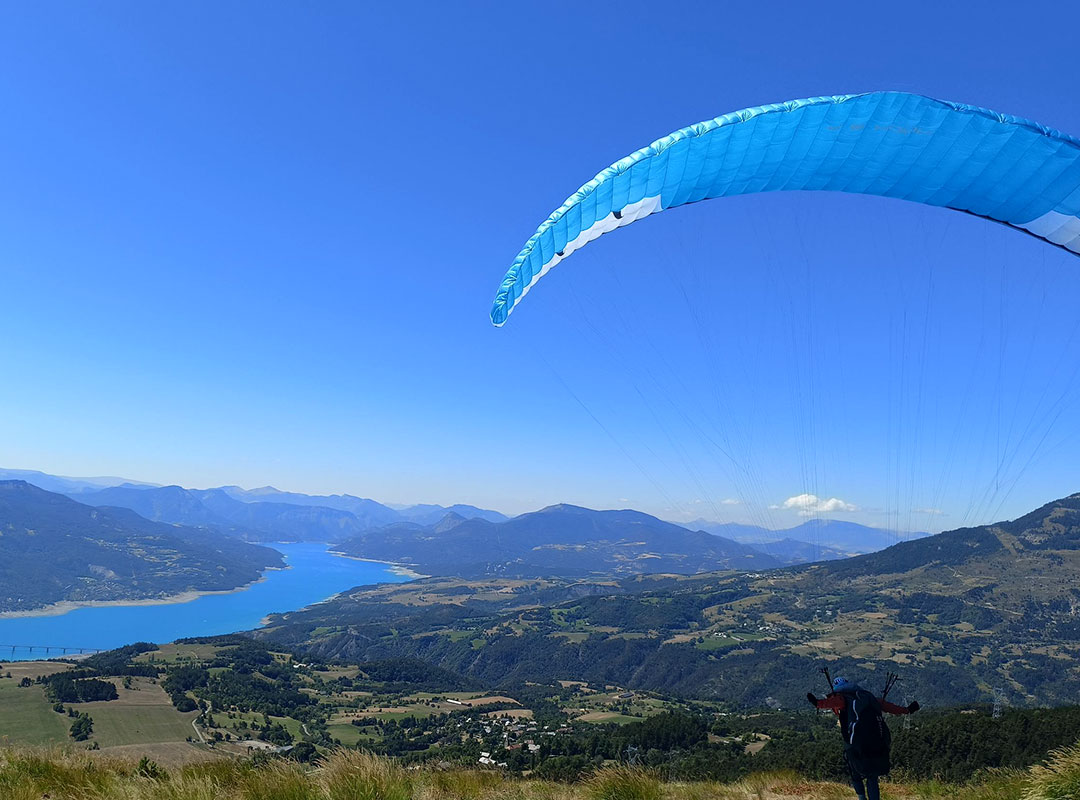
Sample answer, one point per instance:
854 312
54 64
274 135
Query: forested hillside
53 548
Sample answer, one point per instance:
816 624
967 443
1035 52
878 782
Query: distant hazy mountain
63 484
173 504
849 538
450 520
428 514
367 512
270 514
559 540
53 548
266 522
791 551
201 507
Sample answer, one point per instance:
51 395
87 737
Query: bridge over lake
10 650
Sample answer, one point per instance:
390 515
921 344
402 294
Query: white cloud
808 504
729 501
935 512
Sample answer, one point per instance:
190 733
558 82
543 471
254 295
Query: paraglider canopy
891 144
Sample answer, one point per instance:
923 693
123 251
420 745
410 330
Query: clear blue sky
257 243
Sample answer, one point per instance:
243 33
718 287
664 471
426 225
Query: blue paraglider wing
891 144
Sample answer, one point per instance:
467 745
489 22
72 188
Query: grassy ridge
354 775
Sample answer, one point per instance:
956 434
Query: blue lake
314 575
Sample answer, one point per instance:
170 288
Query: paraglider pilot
867 739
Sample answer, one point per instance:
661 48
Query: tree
183 703
150 769
304 752
82 728
277 734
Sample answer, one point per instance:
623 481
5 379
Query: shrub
1058 779
465 784
150 769
280 781
622 783
356 775
53 772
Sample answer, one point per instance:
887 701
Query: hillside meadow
68 774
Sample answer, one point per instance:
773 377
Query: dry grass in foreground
353 775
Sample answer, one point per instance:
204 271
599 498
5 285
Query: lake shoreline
62 607
394 569
403 570
313 574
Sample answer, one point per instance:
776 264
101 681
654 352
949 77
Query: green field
179 654
717 643
28 717
570 636
346 733
118 724
607 717
455 635
399 715
293 726
230 721
142 715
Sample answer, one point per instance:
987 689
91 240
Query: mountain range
569 593
559 540
840 537
138 541
63 484
53 549
272 519
189 510
963 616
367 511
216 508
